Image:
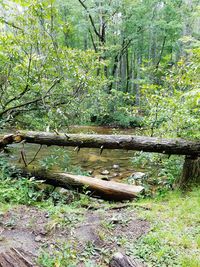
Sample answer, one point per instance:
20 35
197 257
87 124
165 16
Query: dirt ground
93 234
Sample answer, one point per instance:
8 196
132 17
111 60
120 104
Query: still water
111 164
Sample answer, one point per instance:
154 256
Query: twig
23 158
35 155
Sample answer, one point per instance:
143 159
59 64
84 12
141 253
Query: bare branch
35 155
93 42
32 101
10 24
90 17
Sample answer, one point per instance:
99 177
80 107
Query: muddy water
111 164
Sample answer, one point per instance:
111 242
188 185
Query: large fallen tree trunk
106 189
128 142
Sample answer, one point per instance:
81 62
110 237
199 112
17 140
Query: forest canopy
123 63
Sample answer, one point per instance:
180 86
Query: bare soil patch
92 233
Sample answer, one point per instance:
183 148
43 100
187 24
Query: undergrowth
162 171
174 238
16 189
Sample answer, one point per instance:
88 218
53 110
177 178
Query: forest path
90 234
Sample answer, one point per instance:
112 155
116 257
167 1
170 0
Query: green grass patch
174 239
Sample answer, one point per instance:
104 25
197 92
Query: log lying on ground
105 189
128 142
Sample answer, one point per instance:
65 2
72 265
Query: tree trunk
128 142
191 172
105 189
120 260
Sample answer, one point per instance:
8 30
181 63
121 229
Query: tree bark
16 258
9 139
128 142
105 189
191 173
120 260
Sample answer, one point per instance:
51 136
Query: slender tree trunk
131 75
134 72
127 71
153 47
137 98
123 71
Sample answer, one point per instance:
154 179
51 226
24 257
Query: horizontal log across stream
127 142
191 149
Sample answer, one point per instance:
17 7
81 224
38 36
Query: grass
174 239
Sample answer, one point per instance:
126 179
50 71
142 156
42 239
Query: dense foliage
125 63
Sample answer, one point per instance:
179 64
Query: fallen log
127 142
190 149
15 258
106 189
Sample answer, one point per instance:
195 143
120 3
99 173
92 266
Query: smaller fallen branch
35 156
105 189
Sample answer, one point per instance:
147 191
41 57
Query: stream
113 164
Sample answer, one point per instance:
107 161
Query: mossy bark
127 142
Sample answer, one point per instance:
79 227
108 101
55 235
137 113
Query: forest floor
90 235
159 232
58 227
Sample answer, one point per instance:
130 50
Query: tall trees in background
126 55
39 72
